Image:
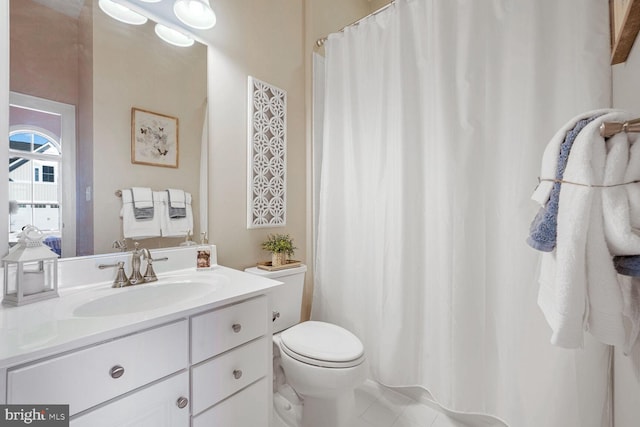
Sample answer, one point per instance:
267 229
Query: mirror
70 52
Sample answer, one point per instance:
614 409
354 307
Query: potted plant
280 246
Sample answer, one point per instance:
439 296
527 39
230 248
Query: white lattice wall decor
267 155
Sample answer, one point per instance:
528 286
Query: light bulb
195 13
121 13
172 36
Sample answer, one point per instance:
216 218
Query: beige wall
132 67
44 52
263 39
626 82
626 95
271 40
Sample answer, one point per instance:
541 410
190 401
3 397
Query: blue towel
628 265
54 243
543 230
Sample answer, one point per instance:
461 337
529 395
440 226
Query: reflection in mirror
41 162
70 52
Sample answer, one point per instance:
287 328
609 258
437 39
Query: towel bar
608 129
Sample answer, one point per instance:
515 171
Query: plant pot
278 259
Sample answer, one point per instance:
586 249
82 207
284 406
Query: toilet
316 365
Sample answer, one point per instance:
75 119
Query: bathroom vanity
192 349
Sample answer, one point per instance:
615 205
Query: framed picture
154 139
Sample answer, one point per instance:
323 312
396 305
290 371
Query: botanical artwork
154 139
267 149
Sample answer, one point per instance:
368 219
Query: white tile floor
378 406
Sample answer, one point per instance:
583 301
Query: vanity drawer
223 329
157 405
87 377
248 408
224 375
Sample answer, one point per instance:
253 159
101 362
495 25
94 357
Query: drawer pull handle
236 327
237 374
182 402
276 315
117 371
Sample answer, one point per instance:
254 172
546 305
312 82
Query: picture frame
625 24
154 139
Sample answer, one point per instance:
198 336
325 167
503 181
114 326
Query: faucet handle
149 274
121 279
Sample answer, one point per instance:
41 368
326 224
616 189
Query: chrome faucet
136 278
120 244
149 275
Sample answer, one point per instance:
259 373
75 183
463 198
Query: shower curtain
436 115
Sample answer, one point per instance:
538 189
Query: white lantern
30 270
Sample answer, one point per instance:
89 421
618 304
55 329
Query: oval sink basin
144 297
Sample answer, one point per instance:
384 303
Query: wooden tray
290 264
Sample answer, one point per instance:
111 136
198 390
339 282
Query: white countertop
57 325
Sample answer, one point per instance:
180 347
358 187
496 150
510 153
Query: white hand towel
177 198
142 197
174 227
138 229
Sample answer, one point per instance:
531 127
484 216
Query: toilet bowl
317 365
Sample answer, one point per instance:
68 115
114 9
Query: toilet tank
286 299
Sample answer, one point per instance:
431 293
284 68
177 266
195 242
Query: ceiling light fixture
121 13
195 13
172 36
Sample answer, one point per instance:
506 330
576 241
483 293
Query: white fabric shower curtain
436 116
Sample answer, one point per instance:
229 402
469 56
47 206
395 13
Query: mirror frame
4 123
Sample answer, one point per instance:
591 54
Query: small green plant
279 243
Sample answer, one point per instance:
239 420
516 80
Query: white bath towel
138 229
578 284
621 200
633 190
174 227
550 156
631 295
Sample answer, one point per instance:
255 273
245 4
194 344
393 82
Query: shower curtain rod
608 129
320 42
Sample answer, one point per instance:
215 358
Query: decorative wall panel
267 155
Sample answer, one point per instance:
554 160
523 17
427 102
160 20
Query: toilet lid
322 344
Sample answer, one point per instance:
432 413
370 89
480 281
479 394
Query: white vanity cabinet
87 377
231 352
207 368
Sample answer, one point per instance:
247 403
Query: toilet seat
322 344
